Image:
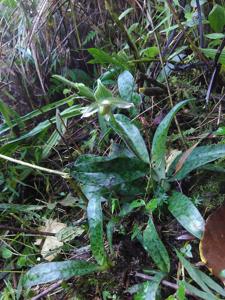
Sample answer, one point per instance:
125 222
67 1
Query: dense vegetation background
112 149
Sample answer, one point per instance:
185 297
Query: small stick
47 291
11 228
200 25
149 18
215 70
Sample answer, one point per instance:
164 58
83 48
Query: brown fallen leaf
184 157
212 245
51 246
187 153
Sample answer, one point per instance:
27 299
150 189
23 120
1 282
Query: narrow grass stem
33 166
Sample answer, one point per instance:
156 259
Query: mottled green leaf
182 208
95 221
69 233
155 248
130 134
199 157
106 171
148 290
126 85
47 272
158 159
217 18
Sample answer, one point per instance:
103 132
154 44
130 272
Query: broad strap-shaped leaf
200 278
107 172
159 141
155 248
126 85
148 290
95 221
130 134
200 156
182 208
47 272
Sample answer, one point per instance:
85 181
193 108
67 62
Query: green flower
104 103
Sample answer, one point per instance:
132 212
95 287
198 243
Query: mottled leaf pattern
186 214
155 247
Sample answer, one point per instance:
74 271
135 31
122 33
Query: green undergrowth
106 185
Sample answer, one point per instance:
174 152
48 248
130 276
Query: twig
31 231
149 17
47 291
215 70
200 25
52 45
121 26
74 18
164 282
67 176
194 48
124 31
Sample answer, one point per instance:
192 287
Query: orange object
212 245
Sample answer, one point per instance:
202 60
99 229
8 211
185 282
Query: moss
210 190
